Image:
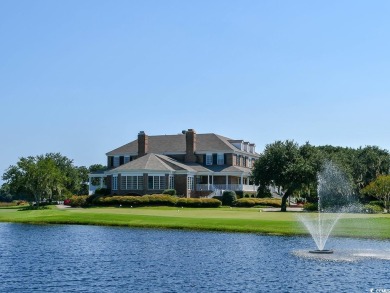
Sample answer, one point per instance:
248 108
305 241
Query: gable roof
176 144
150 162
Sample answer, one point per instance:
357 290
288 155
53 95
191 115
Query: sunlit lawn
217 219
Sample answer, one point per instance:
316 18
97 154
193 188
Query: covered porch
235 182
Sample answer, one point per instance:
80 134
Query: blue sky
84 77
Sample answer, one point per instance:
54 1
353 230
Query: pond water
68 258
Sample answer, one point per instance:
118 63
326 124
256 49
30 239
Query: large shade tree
287 165
380 189
36 178
48 176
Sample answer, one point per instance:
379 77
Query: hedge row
155 200
77 201
251 202
199 202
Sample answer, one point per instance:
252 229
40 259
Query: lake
70 258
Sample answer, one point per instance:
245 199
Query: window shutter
204 159
214 159
121 160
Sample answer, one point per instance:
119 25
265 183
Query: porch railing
234 187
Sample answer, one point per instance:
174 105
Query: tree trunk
284 200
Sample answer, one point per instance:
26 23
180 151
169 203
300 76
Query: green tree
36 178
72 181
362 165
83 180
5 194
97 167
380 189
65 179
287 165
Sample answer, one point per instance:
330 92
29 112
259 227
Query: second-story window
220 159
209 159
116 161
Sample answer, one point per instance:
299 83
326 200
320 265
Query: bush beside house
228 197
251 202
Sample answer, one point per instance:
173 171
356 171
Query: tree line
46 177
294 168
291 167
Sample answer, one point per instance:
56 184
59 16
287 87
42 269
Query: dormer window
220 159
209 159
252 148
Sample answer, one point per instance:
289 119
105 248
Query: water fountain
334 196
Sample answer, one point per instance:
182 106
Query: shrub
91 198
218 197
161 200
155 200
310 207
78 200
67 202
263 192
228 197
251 202
372 209
102 191
377 203
240 194
169 191
199 202
245 203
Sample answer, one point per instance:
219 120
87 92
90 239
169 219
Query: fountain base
324 251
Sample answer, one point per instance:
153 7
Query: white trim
142 171
156 174
131 174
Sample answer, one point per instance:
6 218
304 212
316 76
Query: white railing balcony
234 187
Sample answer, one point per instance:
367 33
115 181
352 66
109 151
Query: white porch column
241 181
208 181
227 181
101 182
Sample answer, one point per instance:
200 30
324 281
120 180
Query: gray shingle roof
155 162
176 144
149 162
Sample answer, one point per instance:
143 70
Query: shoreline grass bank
245 220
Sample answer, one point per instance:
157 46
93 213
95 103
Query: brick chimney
190 146
143 142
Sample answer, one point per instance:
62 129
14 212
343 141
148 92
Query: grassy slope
221 219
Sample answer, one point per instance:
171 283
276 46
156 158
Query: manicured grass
215 219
